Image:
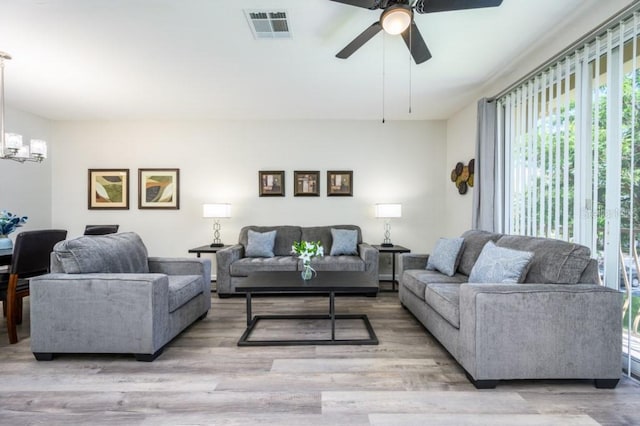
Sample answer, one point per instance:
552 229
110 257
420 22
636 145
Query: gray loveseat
233 266
557 324
105 295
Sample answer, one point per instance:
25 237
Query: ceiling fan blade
415 43
357 42
367 4
430 6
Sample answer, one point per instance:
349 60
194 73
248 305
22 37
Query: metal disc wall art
462 176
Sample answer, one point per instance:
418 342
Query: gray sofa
104 295
557 324
233 266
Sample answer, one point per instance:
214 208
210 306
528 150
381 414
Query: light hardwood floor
204 378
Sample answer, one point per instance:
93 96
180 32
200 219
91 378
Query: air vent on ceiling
268 23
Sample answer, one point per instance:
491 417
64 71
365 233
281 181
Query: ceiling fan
397 18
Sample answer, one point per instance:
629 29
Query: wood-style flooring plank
203 377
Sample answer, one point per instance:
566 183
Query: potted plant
306 250
8 223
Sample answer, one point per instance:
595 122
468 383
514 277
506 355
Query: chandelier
11 146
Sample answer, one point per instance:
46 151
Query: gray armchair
105 295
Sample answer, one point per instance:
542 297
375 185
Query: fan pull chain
383 75
410 55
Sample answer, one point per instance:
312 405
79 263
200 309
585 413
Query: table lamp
386 212
217 212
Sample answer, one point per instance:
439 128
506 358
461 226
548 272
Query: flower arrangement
306 250
9 222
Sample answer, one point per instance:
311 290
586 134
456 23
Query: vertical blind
562 129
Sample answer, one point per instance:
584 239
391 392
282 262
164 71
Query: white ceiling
197 59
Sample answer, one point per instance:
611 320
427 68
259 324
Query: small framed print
271 183
108 189
340 183
159 189
306 184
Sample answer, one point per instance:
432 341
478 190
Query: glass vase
307 272
5 242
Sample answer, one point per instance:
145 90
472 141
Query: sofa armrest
119 313
224 259
370 256
540 331
411 261
183 266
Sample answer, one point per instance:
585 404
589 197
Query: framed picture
108 189
340 183
159 189
306 184
271 183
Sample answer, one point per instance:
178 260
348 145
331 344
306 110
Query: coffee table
326 283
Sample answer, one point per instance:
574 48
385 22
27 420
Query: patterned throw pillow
500 265
445 256
260 244
345 241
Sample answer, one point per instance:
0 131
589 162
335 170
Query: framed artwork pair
306 183
157 189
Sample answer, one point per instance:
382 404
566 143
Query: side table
392 250
206 249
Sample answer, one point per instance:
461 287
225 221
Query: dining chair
31 257
100 229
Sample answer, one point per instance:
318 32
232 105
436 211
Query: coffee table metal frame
285 283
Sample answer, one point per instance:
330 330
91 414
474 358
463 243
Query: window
572 149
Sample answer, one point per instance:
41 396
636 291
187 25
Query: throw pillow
260 244
345 241
445 256
500 265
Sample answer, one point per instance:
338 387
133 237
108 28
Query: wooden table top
324 282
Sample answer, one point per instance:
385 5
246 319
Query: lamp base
387 245
216 245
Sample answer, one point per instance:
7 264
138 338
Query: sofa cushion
344 242
416 280
445 256
243 267
112 253
500 265
554 261
323 234
336 263
183 288
260 244
474 241
285 237
444 299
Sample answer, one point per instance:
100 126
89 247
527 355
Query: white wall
461 137
26 187
219 162
461 127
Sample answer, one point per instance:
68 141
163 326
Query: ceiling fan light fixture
396 19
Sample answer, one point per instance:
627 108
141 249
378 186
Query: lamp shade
38 147
388 210
216 210
13 141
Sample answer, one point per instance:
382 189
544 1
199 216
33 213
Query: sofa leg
482 384
43 356
606 383
485 384
203 316
148 357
